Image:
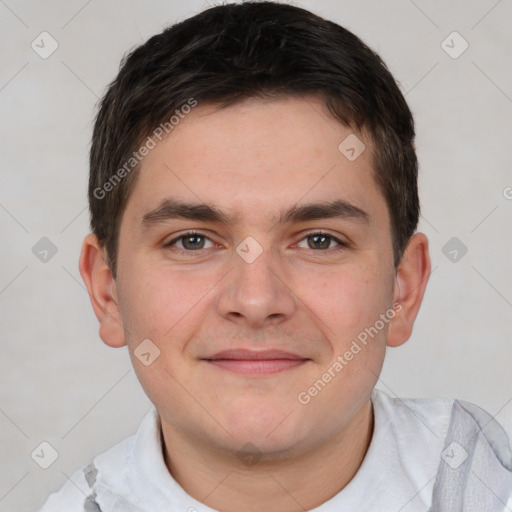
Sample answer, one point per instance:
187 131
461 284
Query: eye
190 241
322 241
195 241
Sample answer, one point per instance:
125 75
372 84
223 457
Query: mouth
250 362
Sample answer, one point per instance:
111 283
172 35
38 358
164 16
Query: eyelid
186 234
341 243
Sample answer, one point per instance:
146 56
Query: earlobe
410 283
102 290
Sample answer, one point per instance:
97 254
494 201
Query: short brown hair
232 52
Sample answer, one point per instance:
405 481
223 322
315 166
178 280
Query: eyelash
341 245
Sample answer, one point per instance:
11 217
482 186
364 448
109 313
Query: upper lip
244 354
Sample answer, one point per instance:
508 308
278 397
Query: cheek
350 303
348 299
160 298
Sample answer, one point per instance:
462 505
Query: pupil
321 237
192 237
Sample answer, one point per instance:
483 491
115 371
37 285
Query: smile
250 362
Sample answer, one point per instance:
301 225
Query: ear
102 290
410 282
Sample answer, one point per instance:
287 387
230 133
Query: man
253 196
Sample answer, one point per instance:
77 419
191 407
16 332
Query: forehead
253 159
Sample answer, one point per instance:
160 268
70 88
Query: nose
257 293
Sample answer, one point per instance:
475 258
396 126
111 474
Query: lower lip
257 366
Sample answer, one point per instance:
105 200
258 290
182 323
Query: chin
268 429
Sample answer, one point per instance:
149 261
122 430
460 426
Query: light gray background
59 383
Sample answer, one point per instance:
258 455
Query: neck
281 484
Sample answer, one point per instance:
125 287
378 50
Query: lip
251 362
254 354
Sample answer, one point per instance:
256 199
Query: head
283 142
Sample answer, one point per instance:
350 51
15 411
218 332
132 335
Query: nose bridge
256 289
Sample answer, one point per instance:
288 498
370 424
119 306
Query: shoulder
72 495
428 415
415 430
437 417
458 441
79 492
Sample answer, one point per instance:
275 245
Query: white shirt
428 454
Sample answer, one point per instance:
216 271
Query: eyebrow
175 209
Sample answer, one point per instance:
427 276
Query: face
262 271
